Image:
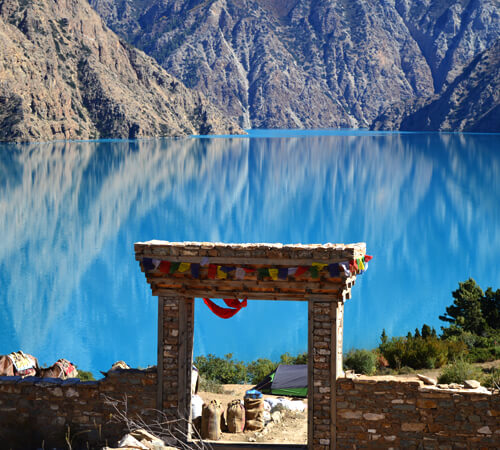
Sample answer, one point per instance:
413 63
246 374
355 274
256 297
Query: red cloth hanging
368 258
226 313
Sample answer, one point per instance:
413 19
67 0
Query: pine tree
465 313
426 331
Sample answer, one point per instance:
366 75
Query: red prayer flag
226 313
368 258
301 270
164 267
212 271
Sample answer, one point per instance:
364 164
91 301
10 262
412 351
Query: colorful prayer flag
283 273
334 271
240 273
147 263
184 267
195 270
212 271
164 267
204 261
273 273
262 273
300 270
174 266
220 273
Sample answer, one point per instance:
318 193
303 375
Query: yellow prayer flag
184 267
220 273
273 273
361 266
320 266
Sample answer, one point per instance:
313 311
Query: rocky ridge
65 75
308 63
470 103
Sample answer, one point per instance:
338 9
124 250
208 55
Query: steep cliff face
308 63
470 103
65 75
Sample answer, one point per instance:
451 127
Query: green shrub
361 361
492 379
259 369
405 370
484 354
210 386
223 370
458 372
85 375
420 353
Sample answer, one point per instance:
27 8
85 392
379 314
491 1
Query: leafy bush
210 386
223 370
458 372
258 370
85 375
361 361
420 353
492 379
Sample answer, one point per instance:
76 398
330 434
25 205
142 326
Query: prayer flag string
348 268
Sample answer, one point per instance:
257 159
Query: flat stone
412 426
426 404
472 384
484 430
373 416
350 415
427 380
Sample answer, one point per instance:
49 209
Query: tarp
286 380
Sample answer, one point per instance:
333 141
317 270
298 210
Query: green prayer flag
174 267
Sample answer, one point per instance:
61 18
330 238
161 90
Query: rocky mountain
471 102
308 63
65 75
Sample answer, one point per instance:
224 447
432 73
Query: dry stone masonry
167 266
37 412
342 412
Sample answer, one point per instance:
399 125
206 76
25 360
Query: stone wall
36 412
394 414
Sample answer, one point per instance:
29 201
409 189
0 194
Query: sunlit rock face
425 204
470 103
65 75
308 63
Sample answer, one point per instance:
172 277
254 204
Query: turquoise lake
426 204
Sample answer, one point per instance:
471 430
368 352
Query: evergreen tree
383 337
490 306
426 331
465 313
417 333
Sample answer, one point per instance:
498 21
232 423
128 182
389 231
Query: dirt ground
291 430
293 427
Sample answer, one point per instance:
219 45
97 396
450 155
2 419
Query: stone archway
179 272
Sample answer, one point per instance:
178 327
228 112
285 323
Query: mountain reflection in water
426 204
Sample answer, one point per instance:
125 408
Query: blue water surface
426 204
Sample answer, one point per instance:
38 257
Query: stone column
175 358
324 367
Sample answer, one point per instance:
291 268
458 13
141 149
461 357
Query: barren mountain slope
65 75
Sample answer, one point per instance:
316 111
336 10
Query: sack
210 421
196 406
254 414
235 417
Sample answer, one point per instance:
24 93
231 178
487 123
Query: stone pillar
324 366
175 358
